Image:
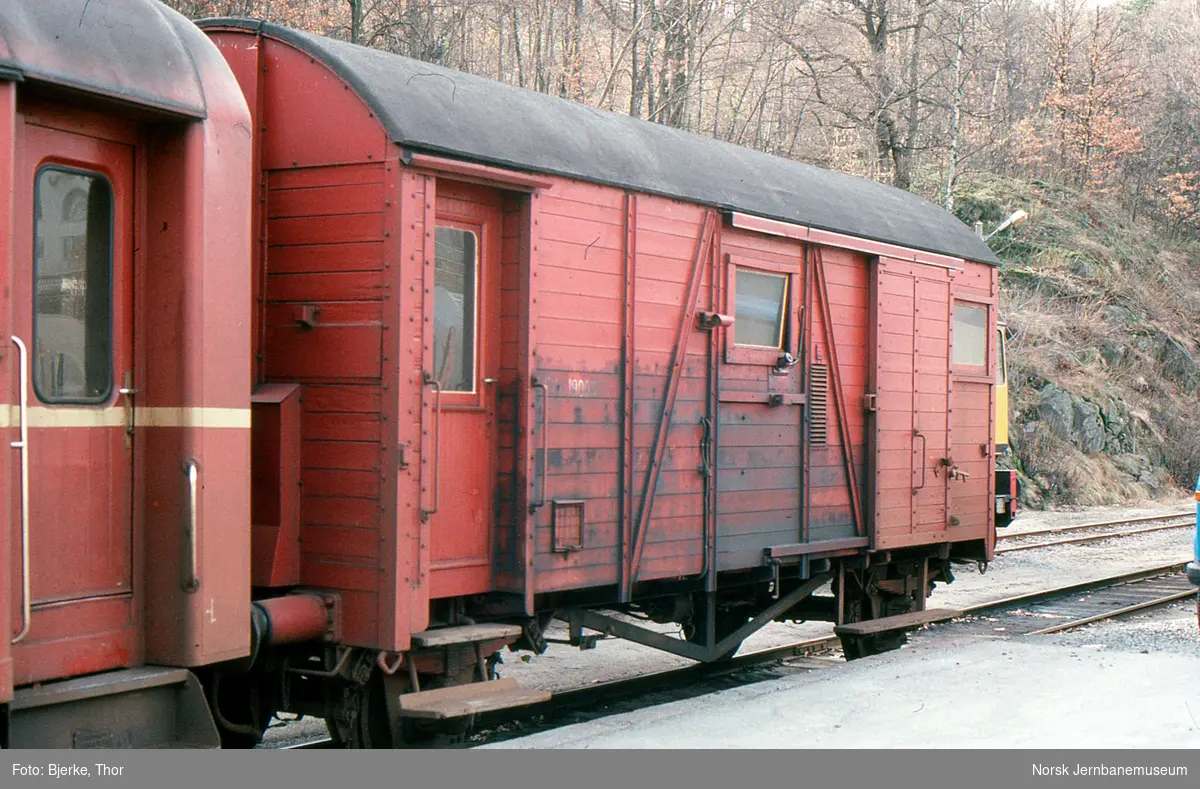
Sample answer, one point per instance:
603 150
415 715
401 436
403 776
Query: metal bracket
707 321
306 315
576 637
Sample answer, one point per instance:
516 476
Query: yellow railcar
1006 479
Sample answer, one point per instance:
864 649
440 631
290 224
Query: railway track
1076 605
1094 532
1038 613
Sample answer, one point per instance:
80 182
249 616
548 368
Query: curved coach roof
433 109
135 51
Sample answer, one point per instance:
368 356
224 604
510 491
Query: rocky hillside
1103 313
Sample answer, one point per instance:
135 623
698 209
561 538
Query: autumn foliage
918 93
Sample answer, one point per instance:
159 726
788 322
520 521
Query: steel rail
1003 536
1129 609
1088 538
1084 586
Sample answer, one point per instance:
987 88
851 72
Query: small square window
970 335
761 308
761 297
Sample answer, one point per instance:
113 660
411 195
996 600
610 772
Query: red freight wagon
552 360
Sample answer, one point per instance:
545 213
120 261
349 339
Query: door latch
127 392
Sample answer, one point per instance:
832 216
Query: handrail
541 500
23 445
191 471
437 443
917 434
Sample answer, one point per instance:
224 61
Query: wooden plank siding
972 418
916 500
325 251
580 314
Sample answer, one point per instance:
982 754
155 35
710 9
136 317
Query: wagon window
72 273
454 309
970 335
760 308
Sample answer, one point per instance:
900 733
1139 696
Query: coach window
454 308
970 336
72 275
1001 361
762 298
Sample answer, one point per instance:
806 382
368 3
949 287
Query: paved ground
987 693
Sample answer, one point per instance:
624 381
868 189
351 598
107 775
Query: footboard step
890 624
462 700
466 634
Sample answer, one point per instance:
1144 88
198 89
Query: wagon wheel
371 727
865 601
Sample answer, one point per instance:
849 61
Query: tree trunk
356 19
956 113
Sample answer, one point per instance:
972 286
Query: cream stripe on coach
43 417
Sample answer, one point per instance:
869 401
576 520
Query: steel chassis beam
581 618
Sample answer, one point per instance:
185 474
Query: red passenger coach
335 373
124 192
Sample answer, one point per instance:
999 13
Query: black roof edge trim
297 39
11 74
723 208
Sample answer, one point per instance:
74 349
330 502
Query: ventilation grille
818 403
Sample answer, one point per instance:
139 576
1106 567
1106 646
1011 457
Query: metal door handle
127 391
191 471
490 380
437 441
917 434
23 444
541 500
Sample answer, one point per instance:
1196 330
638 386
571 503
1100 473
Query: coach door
72 601
910 377
465 367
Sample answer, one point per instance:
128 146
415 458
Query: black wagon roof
134 51
433 109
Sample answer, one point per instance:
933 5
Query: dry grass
1079 277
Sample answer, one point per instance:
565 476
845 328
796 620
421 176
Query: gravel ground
563 666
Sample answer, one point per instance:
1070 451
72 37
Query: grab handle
437 442
541 500
191 473
917 434
23 444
